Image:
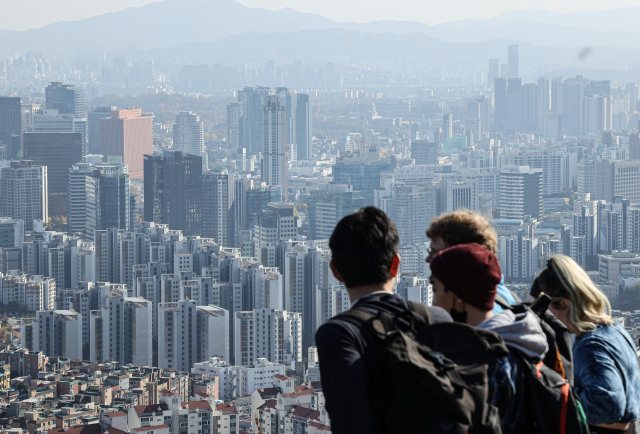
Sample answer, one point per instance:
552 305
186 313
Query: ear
335 271
395 265
565 304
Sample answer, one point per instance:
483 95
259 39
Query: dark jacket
352 380
607 378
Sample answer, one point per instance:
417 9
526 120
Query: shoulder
439 314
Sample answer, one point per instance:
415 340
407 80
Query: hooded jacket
523 334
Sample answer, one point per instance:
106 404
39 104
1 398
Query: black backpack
560 355
437 373
551 405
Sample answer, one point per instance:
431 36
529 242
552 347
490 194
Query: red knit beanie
471 272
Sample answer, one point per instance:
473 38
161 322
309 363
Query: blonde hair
566 279
464 227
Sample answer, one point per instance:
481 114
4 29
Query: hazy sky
26 14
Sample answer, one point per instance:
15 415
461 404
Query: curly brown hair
464 227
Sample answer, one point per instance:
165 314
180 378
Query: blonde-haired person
605 361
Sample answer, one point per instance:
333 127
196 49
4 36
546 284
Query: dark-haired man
364 247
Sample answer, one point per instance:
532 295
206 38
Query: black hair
363 246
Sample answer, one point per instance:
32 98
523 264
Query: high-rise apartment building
190 334
513 61
274 335
93 126
173 191
122 330
127 134
57 151
188 136
414 207
520 192
58 333
10 125
11 232
276 143
24 192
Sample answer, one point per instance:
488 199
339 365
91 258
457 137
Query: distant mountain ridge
172 23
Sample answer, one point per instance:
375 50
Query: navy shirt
352 381
607 378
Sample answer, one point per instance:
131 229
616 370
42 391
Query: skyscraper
10 124
24 193
513 61
188 136
502 108
514 104
447 126
218 211
129 135
93 126
543 105
303 128
529 91
473 122
57 151
252 126
234 124
274 159
65 99
173 191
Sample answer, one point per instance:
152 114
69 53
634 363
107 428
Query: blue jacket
503 291
607 378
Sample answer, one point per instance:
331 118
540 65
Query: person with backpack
464 280
605 360
464 227
388 365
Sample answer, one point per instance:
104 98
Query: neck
476 316
360 291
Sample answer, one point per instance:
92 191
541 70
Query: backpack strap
503 303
